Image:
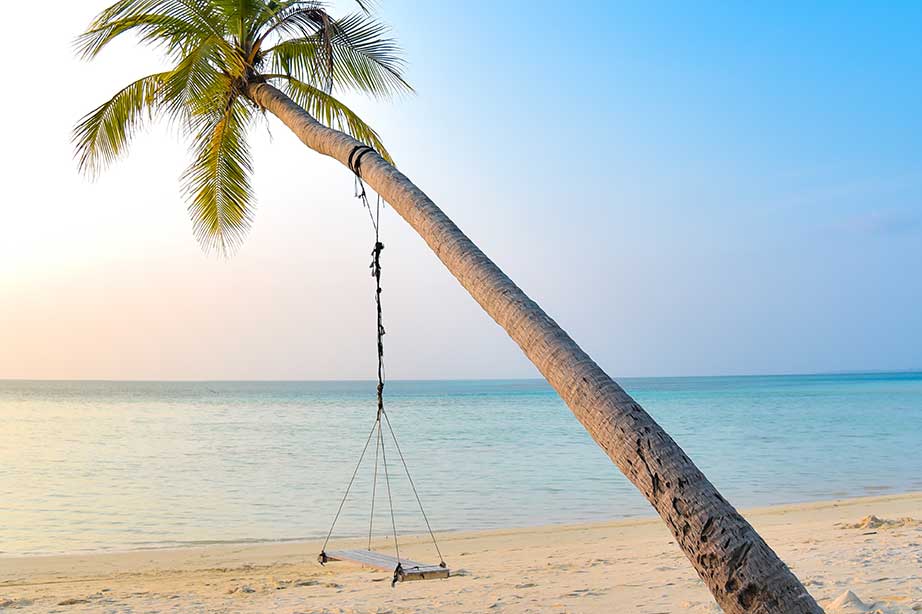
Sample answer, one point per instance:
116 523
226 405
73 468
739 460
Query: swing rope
381 418
413 486
346 494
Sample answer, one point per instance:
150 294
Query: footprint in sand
237 589
15 603
585 592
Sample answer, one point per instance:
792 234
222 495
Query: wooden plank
411 570
430 572
364 557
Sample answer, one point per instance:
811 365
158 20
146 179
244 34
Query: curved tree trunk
739 568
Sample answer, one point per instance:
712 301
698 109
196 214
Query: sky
686 189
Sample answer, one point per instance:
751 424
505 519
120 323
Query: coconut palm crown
217 48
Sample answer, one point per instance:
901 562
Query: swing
402 568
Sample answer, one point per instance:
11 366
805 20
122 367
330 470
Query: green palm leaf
173 25
104 133
359 55
217 183
366 57
196 86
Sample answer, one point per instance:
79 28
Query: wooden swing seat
409 570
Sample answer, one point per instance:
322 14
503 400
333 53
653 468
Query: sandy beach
625 566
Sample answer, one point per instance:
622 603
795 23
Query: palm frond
368 56
359 55
239 16
330 111
196 86
193 88
304 59
217 183
366 5
264 16
104 134
296 18
174 25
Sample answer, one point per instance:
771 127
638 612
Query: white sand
627 566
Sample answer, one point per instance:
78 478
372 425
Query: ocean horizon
88 466
617 378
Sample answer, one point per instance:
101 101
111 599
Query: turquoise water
88 466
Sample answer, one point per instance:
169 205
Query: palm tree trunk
739 568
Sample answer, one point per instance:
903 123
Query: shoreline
580 567
445 534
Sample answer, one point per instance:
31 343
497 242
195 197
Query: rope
355 165
355 158
390 501
376 273
413 486
345 495
374 485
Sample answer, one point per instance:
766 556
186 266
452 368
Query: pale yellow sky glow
104 279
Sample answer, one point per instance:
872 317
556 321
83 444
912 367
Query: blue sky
686 189
743 185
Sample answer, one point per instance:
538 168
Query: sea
106 466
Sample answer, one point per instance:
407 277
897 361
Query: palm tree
230 61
